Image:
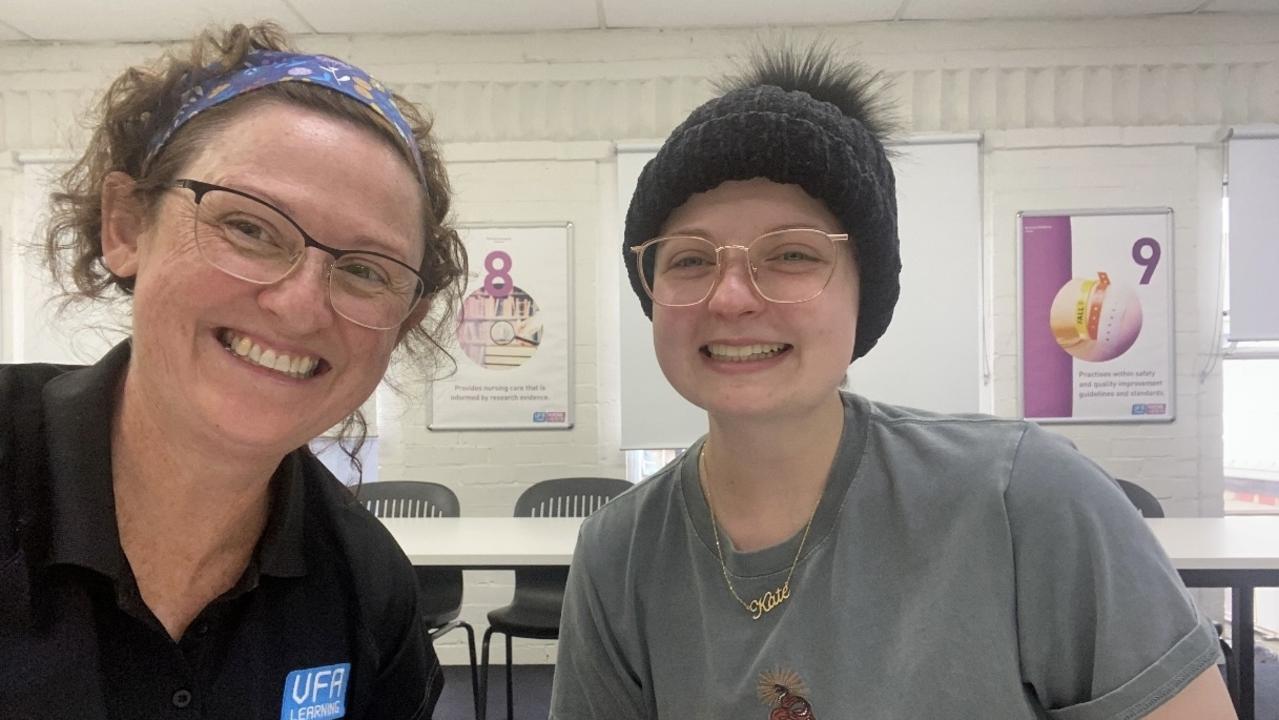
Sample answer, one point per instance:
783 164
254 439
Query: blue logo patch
317 693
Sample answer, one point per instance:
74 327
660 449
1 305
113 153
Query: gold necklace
772 599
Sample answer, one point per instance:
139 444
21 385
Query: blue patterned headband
268 67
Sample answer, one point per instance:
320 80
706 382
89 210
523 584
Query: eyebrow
378 245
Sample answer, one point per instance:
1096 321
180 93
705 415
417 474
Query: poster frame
1168 256
567 264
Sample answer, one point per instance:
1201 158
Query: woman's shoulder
980 448
370 546
21 411
650 495
339 527
24 383
1049 473
1012 457
910 419
21 397
631 520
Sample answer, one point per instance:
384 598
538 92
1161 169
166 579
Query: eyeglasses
786 266
254 241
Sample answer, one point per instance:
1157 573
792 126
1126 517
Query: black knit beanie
796 119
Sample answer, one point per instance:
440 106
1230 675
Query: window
1250 358
1250 424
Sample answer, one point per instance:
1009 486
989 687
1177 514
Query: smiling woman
818 554
279 224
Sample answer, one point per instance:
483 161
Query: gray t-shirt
956 567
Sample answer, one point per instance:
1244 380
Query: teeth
245 348
741 353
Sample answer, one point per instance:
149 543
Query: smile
744 353
297 367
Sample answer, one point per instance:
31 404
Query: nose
734 293
300 301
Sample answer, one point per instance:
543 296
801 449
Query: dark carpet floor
533 691
1267 685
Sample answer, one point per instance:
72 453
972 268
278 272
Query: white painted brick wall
1075 114
1164 458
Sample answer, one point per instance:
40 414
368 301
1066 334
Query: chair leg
1232 669
475 676
484 676
510 695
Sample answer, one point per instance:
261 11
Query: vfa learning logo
317 693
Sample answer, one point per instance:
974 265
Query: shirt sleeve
594 678
1106 628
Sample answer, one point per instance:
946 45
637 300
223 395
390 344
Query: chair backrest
1146 503
408 499
559 497
440 588
568 497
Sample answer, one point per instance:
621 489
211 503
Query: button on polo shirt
327 603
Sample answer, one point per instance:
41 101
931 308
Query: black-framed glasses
786 266
251 239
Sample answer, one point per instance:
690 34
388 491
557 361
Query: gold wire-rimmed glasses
251 239
787 266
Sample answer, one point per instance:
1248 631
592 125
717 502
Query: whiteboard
654 416
931 355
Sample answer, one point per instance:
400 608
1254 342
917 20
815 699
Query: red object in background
1254 498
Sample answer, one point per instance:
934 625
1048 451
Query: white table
1241 542
486 543
1208 544
1240 553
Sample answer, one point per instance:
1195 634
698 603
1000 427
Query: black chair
534 611
441 589
1149 507
1146 503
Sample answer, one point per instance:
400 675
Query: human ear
122 222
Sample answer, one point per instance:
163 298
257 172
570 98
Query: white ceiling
88 20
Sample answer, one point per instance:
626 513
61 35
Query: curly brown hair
141 103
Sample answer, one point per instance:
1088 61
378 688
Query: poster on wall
513 333
1096 296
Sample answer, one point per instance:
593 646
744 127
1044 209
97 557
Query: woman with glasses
278 225
819 555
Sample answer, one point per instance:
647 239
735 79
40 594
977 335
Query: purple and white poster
1097 316
512 341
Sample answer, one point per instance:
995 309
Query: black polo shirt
324 622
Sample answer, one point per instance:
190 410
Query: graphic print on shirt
785 693
317 693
